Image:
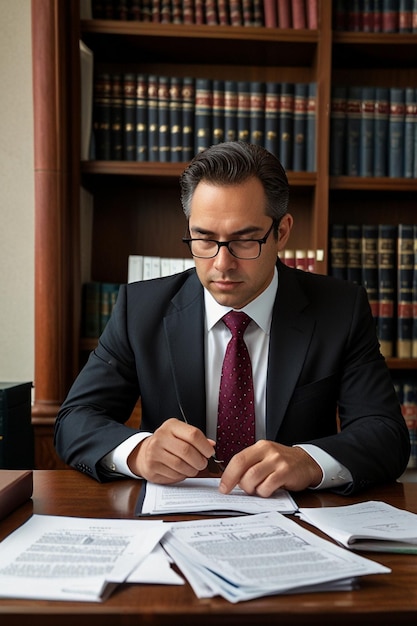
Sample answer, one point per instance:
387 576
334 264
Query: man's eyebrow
248 230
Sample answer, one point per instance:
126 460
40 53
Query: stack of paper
247 557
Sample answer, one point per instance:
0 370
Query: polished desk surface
384 599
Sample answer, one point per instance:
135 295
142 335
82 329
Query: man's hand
267 466
175 451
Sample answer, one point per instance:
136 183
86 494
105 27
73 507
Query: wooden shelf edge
374 38
395 363
372 183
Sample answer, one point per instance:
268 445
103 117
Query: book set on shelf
406 389
269 13
98 300
140 117
372 131
375 16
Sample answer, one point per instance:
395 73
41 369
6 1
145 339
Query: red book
312 19
16 487
298 14
236 18
270 13
284 13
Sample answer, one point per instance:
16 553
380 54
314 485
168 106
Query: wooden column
56 95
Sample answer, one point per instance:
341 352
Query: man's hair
232 163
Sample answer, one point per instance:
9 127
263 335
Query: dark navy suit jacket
324 359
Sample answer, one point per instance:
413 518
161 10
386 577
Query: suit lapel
184 332
291 332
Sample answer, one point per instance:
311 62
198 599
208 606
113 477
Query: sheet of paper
156 568
70 558
246 557
370 525
197 495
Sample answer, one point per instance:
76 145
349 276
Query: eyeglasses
247 249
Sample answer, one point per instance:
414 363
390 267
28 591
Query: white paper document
197 495
70 558
246 557
375 526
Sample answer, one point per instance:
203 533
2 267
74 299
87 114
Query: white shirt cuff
334 474
116 460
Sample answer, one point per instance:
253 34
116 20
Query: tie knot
237 322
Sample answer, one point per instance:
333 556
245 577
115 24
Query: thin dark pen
214 465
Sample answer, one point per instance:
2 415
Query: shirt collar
260 309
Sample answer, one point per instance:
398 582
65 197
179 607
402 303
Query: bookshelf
136 204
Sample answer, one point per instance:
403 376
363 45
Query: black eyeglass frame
227 244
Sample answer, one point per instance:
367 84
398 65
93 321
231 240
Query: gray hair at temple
231 163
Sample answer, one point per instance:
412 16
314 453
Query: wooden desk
383 600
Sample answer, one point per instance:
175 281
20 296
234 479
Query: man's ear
284 230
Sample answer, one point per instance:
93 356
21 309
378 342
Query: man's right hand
174 452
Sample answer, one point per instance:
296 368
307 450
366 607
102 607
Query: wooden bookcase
136 205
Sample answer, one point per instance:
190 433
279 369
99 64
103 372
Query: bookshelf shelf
360 183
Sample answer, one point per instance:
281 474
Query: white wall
16 193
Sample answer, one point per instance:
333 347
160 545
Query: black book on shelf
102 116
129 116
175 119
243 110
272 90
203 113
405 271
16 432
257 113
153 134
164 130
300 127
188 119
286 124
370 266
230 110
387 289
396 132
117 122
367 132
311 164
141 117
338 110
354 253
337 250
381 131
218 112
353 130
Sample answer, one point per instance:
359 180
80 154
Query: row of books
142 117
145 267
375 16
300 259
260 13
373 131
407 394
98 300
382 258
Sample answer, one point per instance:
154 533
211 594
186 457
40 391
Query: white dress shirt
217 336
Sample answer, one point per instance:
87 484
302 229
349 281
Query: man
312 347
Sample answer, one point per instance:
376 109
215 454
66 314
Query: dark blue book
175 119
164 128
410 121
353 130
102 116
387 288
369 275
153 134
389 16
300 127
230 110
396 133
188 117
203 113
243 110
338 130
381 131
367 130
117 121
218 112
129 117
141 117
257 112
286 124
354 253
405 270
337 248
405 16
311 162
272 90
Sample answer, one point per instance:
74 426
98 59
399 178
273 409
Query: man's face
235 212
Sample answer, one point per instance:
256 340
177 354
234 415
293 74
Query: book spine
243 110
389 16
367 16
353 127
410 119
230 110
129 117
164 134
337 250
354 16
338 130
247 13
387 247
210 13
405 16
117 122
339 15
175 119
298 14
188 12
286 124
377 16
284 13
218 111
272 91
108 297
311 128
270 13
203 113
289 257
414 339
300 126
369 277
258 13
223 12
257 113
381 131
188 117
236 16
366 141
141 117
354 253
312 14
405 269
152 98
102 116
396 133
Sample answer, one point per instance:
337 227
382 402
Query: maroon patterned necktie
236 413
